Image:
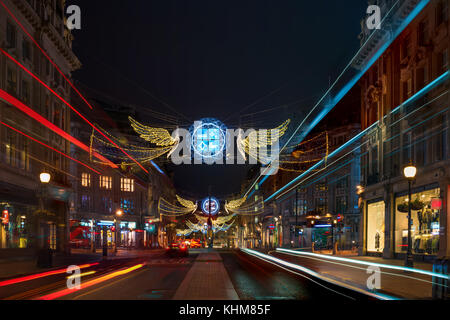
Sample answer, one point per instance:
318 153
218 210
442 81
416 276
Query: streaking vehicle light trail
47 146
41 275
354 261
71 107
281 263
90 283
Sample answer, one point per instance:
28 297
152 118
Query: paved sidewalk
207 280
401 284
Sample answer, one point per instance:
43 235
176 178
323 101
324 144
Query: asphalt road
157 277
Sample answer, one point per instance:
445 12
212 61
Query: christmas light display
165 208
187 203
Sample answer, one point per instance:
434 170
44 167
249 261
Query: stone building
405 100
33 124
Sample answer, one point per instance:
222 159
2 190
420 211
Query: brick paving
207 280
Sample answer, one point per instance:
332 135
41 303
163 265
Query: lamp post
409 173
119 213
332 236
45 255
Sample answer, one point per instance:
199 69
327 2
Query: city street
236 155
163 277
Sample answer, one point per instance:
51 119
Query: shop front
375 227
426 209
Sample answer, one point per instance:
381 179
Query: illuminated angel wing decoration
159 136
233 204
187 203
260 139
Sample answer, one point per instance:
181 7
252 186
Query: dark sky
212 58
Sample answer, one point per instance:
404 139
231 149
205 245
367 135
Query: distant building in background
34 215
98 197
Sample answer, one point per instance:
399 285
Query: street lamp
332 236
409 172
45 254
45 177
119 212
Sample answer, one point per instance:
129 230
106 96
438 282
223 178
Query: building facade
403 93
34 215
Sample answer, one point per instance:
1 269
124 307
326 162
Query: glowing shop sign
210 207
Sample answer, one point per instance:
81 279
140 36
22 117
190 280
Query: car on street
177 250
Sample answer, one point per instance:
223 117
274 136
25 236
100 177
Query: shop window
375 226
425 213
85 179
106 182
126 184
15 224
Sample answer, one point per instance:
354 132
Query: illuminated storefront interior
426 208
375 226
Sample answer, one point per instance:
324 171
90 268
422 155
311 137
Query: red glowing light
45 54
41 275
5 216
436 204
84 285
22 107
45 145
73 109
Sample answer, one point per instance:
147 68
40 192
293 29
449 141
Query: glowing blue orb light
214 206
208 138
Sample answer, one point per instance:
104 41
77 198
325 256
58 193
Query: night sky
210 58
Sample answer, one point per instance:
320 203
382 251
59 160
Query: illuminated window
127 206
105 182
127 184
85 179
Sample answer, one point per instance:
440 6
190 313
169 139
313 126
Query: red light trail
71 107
30 112
90 283
45 54
45 145
41 275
